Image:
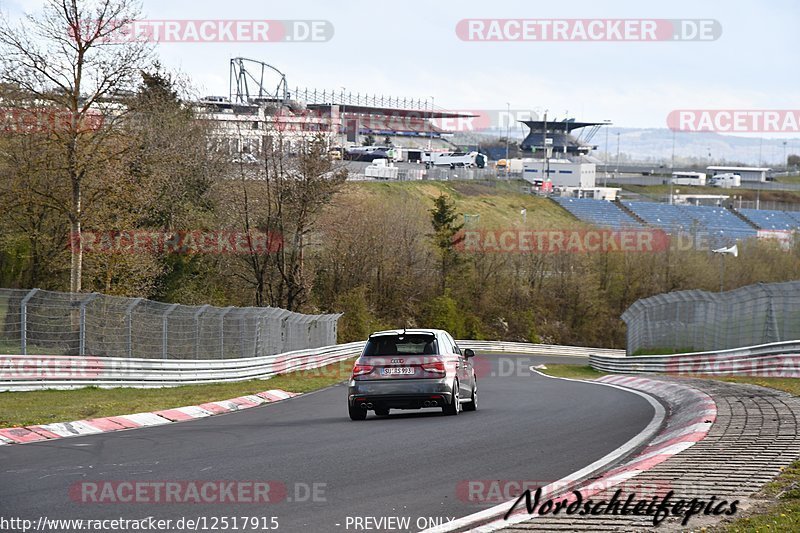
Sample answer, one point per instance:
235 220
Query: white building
750 174
562 172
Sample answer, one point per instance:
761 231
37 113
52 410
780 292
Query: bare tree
72 59
284 199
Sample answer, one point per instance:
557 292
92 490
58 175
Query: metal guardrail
779 359
536 349
37 372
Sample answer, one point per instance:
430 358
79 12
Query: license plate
398 371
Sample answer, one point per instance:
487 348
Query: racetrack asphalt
409 464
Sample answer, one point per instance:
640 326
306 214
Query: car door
464 370
448 352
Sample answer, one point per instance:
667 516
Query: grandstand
664 216
723 226
772 220
598 212
720 226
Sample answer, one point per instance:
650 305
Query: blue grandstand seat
720 226
598 212
776 220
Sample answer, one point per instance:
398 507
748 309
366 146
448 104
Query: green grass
790 385
44 407
572 371
498 205
795 178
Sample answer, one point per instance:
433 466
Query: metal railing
781 359
536 349
56 323
702 321
36 372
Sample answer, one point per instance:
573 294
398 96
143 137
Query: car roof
415 331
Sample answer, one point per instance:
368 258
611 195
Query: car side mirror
469 353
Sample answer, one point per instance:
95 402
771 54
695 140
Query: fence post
222 332
197 314
242 329
258 343
164 330
129 323
82 323
23 309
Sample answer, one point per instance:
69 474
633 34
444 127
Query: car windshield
401 345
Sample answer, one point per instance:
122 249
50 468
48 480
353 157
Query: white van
726 181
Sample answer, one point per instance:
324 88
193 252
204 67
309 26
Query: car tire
382 411
472 405
356 412
455 406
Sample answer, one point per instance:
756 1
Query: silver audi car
412 369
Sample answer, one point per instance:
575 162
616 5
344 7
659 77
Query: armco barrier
30 372
36 372
536 349
778 359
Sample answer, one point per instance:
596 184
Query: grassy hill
499 204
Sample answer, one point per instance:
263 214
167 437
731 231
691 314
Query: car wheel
356 412
455 407
472 405
381 411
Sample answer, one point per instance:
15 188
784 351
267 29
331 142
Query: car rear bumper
400 394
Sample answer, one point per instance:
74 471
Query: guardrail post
129 324
82 323
23 309
164 330
197 329
222 332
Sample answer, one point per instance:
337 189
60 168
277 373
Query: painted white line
576 477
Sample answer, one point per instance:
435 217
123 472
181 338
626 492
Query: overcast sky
410 49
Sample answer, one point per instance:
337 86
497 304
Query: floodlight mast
241 76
